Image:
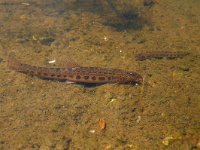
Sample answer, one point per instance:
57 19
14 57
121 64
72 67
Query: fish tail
13 63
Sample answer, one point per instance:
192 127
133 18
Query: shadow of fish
160 55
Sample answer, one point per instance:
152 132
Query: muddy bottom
161 113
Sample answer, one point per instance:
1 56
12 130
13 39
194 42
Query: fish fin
69 63
69 82
13 63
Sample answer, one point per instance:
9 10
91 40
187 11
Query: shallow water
162 113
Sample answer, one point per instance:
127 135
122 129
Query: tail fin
13 63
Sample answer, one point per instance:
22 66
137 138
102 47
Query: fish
76 73
160 55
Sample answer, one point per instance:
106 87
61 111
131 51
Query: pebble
52 61
138 119
92 131
27 4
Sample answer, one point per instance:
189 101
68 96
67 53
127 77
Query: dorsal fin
69 63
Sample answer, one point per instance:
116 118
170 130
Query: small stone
112 100
27 4
52 61
105 38
138 119
92 131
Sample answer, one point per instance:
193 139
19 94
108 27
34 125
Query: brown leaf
102 123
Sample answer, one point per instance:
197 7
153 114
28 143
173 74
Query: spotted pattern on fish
76 74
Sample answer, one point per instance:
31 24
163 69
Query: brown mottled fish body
76 74
160 55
